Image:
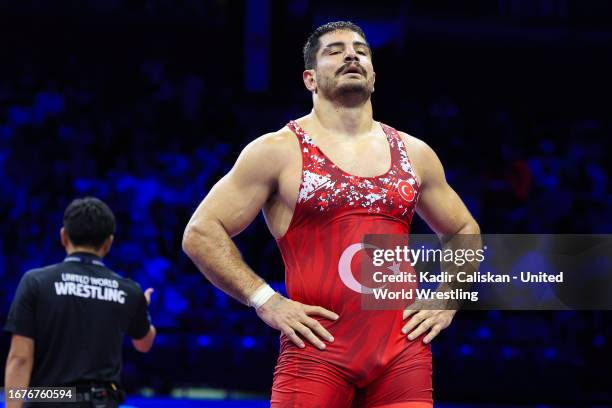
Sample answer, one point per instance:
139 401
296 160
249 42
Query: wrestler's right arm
230 206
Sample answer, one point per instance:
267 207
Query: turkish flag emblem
406 190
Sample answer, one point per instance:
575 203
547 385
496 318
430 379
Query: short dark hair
313 44
89 222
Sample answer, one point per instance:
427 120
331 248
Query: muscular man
324 181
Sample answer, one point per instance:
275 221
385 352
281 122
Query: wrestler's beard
349 95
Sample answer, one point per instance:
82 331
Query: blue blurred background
146 103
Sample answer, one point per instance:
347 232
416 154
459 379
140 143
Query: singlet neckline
344 172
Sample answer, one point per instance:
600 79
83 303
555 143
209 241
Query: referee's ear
64 238
106 246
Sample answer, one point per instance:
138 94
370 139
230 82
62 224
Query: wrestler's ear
309 77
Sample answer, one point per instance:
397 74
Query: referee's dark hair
89 222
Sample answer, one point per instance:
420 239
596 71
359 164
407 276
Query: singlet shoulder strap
395 142
311 155
399 150
300 133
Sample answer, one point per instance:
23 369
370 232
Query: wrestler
323 182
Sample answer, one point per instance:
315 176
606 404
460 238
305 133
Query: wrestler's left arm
445 213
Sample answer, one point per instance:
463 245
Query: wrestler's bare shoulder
420 153
272 151
414 144
275 145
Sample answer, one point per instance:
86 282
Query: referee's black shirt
77 313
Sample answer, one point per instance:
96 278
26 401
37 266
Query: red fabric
335 211
301 381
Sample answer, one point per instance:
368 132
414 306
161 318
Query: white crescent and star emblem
346 273
406 190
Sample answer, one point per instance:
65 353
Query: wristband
261 295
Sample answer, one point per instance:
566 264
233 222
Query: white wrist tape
261 295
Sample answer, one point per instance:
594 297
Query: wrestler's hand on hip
424 319
294 321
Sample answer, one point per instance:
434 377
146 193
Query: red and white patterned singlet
333 213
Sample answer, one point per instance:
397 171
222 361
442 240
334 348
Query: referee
68 320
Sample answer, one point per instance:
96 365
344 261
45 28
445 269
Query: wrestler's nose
350 55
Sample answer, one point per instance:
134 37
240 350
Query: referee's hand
294 321
147 295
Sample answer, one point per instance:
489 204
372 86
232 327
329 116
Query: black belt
93 395
97 391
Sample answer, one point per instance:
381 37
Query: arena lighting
248 342
204 341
